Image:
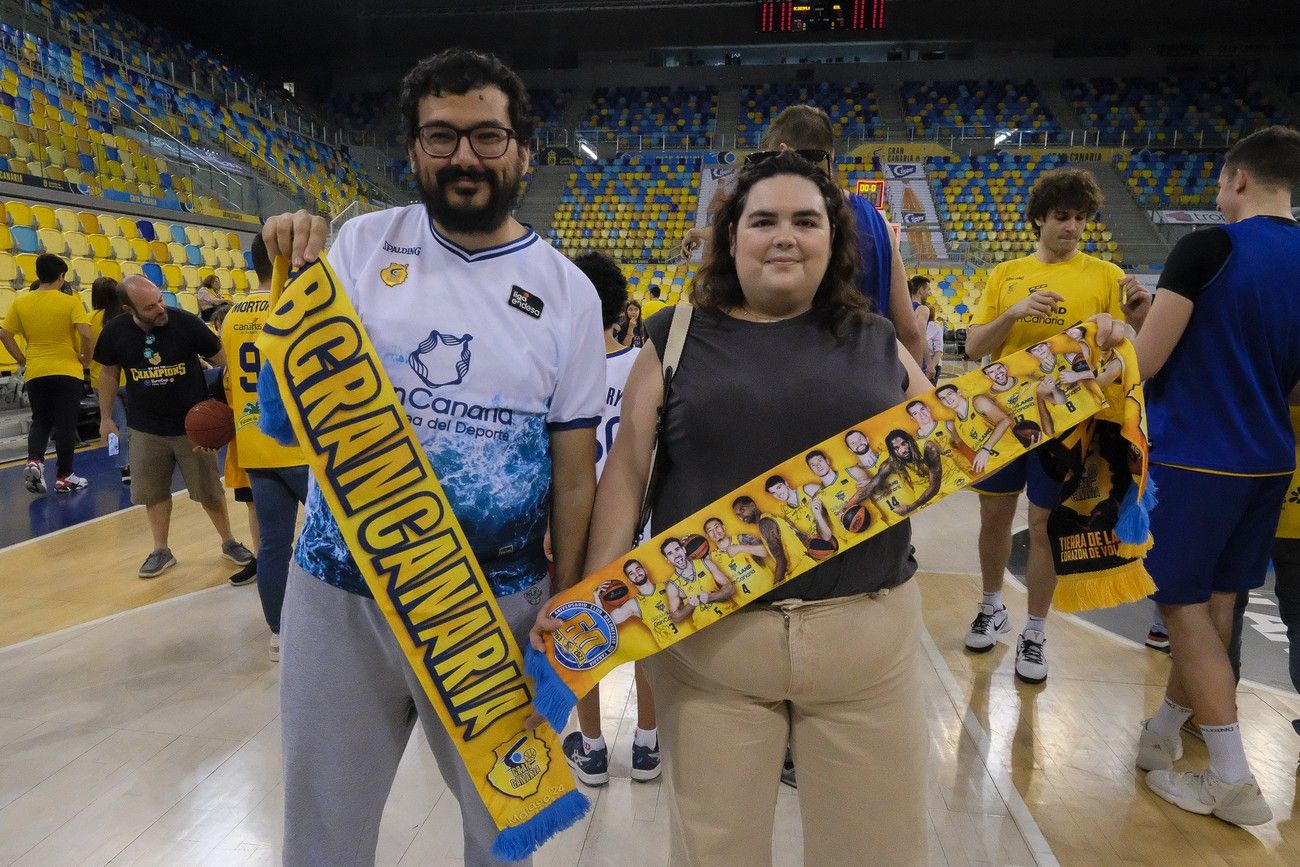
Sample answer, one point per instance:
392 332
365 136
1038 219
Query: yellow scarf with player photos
841 492
323 386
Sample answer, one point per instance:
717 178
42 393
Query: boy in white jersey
585 749
492 341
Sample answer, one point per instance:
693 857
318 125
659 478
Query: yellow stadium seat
100 247
131 269
223 257
172 274
176 253
191 277
6 238
209 240
27 265
162 230
87 223
158 252
240 280
188 301
192 236
139 249
121 248
44 216
109 268
67 220
108 226
77 243
8 270
209 257
52 241
128 228
18 213
85 270
223 274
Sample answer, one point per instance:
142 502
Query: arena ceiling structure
310 41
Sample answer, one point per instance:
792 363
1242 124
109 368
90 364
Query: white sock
1169 718
590 744
1038 623
645 737
994 599
1227 752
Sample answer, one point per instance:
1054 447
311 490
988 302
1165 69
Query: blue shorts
1213 533
1025 472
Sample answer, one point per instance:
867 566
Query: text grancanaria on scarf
322 379
837 493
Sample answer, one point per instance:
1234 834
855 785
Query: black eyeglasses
440 140
812 155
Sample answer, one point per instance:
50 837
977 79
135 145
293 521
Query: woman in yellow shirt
50 323
104 307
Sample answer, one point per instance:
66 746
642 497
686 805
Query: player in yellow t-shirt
695 587
837 490
943 439
276 474
649 605
805 515
56 353
786 550
909 478
1027 301
743 558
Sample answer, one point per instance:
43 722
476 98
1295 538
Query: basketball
210 424
612 594
855 518
1028 432
820 549
697 547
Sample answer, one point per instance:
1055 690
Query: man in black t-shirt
159 350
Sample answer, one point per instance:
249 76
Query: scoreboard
807 16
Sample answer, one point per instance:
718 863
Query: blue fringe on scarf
273 420
517 843
554 699
1134 524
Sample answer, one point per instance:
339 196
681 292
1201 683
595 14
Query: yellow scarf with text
323 385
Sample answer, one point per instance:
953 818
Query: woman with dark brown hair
781 354
630 330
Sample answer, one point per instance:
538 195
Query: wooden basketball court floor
139 725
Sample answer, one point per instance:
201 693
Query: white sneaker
34 477
1031 661
71 483
1204 792
1158 752
275 647
988 624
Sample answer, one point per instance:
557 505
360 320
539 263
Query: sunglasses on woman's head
812 155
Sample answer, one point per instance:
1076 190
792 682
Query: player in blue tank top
1221 346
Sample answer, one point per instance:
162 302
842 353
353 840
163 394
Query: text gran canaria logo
394 274
442 359
521 763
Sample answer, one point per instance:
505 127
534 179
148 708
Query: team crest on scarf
442 359
393 275
521 763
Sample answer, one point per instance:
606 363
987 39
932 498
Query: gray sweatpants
348 702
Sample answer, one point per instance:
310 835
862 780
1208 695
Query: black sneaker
126 475
247 575
592 767
645 762
787 770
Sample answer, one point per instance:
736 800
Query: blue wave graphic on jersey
438 362
500 490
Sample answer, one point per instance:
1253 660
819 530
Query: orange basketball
210 424
697 547
820 549
855 518
613 594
